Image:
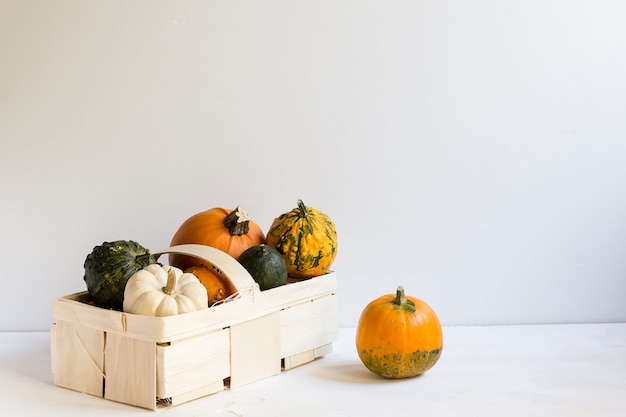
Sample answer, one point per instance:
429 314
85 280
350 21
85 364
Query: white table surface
503 371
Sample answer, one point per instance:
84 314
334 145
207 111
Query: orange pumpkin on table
399 336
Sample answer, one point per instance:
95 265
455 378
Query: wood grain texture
193 364
79 358
130 368
255 350
308 325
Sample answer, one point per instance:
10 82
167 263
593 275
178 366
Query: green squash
266 265
109 266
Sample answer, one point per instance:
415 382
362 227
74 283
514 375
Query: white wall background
473 151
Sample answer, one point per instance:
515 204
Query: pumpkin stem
402 301
305 213
237 221
170 287
400 297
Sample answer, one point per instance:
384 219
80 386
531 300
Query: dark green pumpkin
109 266
266 265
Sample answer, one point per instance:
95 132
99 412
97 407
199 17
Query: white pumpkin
163 291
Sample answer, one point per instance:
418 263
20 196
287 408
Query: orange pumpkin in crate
217 284
231 231
399 336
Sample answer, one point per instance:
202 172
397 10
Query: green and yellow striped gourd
307 240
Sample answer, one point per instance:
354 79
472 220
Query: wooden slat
130 368
255 350
298 359
167 329
216 386
78 358
71 309
191 364
323 350
308 326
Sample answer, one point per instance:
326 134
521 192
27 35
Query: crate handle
238 275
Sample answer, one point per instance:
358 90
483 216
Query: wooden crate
151 362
